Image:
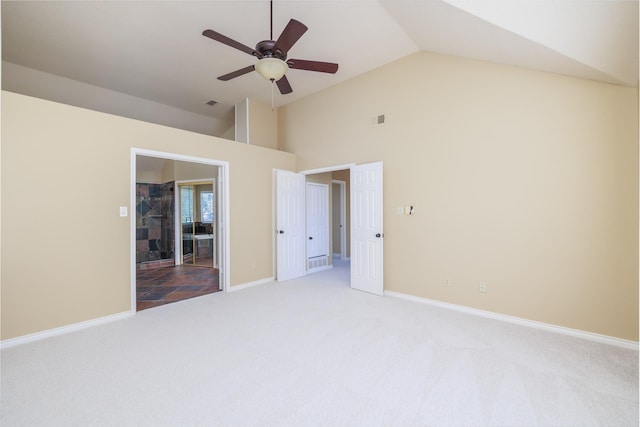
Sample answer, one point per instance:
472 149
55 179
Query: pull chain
272 89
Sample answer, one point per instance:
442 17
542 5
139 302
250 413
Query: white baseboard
618 342
12 342
251 284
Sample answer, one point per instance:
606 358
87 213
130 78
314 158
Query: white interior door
219 237
317 222
366 228
290 225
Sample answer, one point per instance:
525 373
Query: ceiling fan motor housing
265 50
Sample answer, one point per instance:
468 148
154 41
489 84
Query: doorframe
178 255
328 169
343 217
274 186
346 166
223 213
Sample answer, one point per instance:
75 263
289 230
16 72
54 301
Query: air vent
320 262
212 102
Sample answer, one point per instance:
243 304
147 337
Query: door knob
378 235
281 231
310 238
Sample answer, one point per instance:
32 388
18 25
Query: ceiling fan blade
290 35
229 42
284 86
323 67
237 73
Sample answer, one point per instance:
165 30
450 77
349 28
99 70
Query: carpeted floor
313 352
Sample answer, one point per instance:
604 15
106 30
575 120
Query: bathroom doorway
179 243
196 219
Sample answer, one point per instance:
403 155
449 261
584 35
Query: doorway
365 228
194 262
196 220
340 226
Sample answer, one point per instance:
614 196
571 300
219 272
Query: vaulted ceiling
149 60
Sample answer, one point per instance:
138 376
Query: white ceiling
154 51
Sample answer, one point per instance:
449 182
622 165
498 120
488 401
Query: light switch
123 211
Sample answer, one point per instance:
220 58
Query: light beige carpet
313 352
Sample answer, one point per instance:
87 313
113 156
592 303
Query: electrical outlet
446 282
482 288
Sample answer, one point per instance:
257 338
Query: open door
290 225
366 228
317 212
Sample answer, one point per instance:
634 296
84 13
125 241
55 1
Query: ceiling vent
212 102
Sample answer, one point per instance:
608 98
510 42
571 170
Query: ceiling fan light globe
271 68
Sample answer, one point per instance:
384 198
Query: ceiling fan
272 55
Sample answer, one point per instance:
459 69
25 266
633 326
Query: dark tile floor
159 286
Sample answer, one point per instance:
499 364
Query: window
186 204
206 206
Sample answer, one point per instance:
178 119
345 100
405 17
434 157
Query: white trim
274 212
37 336
251 284
132 233
327 169
177 230
605 339
343 217
248 120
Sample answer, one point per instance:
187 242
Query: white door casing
341 222
366 228
219 236
290 225
223 213
317 212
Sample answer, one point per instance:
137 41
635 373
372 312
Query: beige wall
263 125
522 180
65 250
186 171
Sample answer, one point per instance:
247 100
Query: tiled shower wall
155 237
